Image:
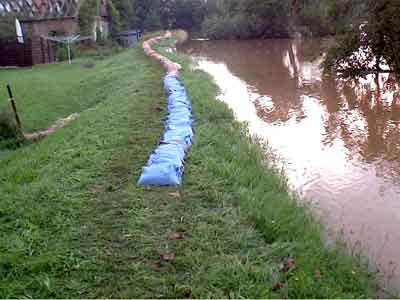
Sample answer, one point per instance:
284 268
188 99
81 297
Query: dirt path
60 123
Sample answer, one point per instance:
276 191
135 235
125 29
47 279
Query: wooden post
48 51
14 106
43 53
69 52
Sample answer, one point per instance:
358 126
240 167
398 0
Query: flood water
339 141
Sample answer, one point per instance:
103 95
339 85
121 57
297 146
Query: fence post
14 107
2 55
43 54
48 51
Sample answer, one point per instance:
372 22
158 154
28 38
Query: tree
126 10
88 11
152 20
115 24
373 43
189 14
268 18
168 10
142 9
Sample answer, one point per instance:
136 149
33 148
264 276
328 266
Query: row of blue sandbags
166 163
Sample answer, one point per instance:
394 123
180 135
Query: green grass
74 224
48 92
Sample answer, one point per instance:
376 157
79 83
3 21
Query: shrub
62 53
218 27
314 23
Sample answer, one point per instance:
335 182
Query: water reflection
340 140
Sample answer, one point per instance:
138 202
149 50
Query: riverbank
75 224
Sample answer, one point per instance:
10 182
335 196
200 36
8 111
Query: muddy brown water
339 142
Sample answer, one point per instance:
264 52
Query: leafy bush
152 21
314 23
376 37
218 27
248 19
62 53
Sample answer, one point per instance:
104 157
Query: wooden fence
33 51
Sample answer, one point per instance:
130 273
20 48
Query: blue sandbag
183 137
179 105
161 174
178 113
168 152
166 164
170 124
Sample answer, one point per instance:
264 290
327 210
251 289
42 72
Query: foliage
268 18
7 26
342 13
152 22
313 22
189 14
239 18
224 27
249 19
62 53
127 14
143 9
373 43
383 32
87 15
115 18
167 12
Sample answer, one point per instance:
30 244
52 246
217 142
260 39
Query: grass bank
45 93
75 225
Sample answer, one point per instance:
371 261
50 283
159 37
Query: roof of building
43 9
39 9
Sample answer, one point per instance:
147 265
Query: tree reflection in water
366 117
364 114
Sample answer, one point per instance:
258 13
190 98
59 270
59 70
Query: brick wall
68 26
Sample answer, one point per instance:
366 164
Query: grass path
75 225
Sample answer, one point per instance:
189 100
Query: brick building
40 18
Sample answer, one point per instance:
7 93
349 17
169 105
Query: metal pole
14 106
69 52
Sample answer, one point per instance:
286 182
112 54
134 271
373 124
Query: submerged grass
75 225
